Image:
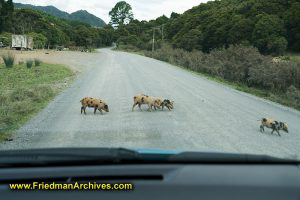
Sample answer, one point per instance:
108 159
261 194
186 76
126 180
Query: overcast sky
142 9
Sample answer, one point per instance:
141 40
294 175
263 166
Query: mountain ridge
80 15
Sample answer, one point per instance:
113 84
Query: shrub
39 40
9 60
293 93
240 64
128 47
131 39
37 62
286 58
6 38
29 63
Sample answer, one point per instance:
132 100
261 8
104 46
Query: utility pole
153 41
153 37
162 32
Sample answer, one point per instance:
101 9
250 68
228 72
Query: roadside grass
280 98
25 91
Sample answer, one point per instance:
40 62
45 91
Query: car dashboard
160 181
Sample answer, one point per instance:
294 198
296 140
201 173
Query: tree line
272 26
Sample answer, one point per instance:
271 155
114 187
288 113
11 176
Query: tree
174 15
189 41
241 30
2 3
83 36
5 38
277 45
121 14
6 15
39 40
292 24
268 33
161 20
10 6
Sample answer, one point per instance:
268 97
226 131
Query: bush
128 47
240 64
39 40
37 62
29 63
8 60
294 94
6 38
130 39
286 58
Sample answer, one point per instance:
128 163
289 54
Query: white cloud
142 9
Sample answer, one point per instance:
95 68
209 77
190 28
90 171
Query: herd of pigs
159 102
152 102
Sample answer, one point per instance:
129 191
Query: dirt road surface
208 116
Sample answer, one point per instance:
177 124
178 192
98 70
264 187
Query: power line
153 35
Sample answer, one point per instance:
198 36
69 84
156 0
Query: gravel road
208 116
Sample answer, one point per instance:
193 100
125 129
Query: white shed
22 41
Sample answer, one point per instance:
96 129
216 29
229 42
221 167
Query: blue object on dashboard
156 151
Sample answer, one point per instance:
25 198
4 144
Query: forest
272 26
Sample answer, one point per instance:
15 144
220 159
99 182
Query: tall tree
6 15
1 14
268 34
10 6
121 14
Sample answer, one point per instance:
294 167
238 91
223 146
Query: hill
81 15
50 31
272 26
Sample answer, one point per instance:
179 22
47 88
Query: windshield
196 75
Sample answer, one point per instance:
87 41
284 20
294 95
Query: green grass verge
25 91
266 94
